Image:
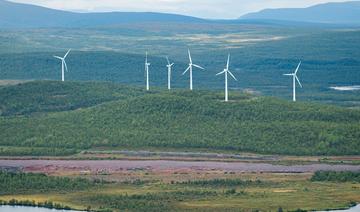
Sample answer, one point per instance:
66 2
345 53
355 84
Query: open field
113 166
141 190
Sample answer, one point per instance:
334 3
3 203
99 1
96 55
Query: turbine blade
146 58
288 74
172 64
65 66
186 70
297 79
60 58
297 69
167 58
220 73
67 53
228 62
190 56
197 66
232 75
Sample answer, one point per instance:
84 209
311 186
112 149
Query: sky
213 9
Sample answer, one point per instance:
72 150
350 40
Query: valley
98 140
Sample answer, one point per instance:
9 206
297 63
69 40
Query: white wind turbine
226 72
190 68
63 65
295 78
169 66
147 72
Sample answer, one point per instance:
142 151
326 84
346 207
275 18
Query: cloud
215 9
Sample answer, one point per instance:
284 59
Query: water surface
6 208
346 88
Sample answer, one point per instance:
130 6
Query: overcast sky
217 9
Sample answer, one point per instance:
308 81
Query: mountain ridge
17 15
20 15
346 13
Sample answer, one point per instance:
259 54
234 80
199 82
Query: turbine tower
147 72
169 66
190 69
63 65
295 78
226 72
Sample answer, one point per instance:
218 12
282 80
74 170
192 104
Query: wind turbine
295 78
226 72
147 72
63 65
169 66
190 69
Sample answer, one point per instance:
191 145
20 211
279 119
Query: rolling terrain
100 142
260 55
131 118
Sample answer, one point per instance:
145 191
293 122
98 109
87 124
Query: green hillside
130 118
36 97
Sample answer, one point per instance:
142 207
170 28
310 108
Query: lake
346 88
353 209
6 208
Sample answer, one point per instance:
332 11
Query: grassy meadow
248 192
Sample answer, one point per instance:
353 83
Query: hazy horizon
216 9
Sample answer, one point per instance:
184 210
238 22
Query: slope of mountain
177 119
335 13
15 15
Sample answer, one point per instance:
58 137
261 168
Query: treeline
20 183
223 182
336 176
38 151
46 204
51 96
160 201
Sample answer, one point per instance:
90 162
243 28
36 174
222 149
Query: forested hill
128 117
16 15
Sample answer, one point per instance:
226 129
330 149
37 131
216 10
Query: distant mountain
15 15
334 13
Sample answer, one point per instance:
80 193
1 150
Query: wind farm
166 112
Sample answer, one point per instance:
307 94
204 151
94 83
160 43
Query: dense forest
178 119
35 97
223 182
23 183
336 176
